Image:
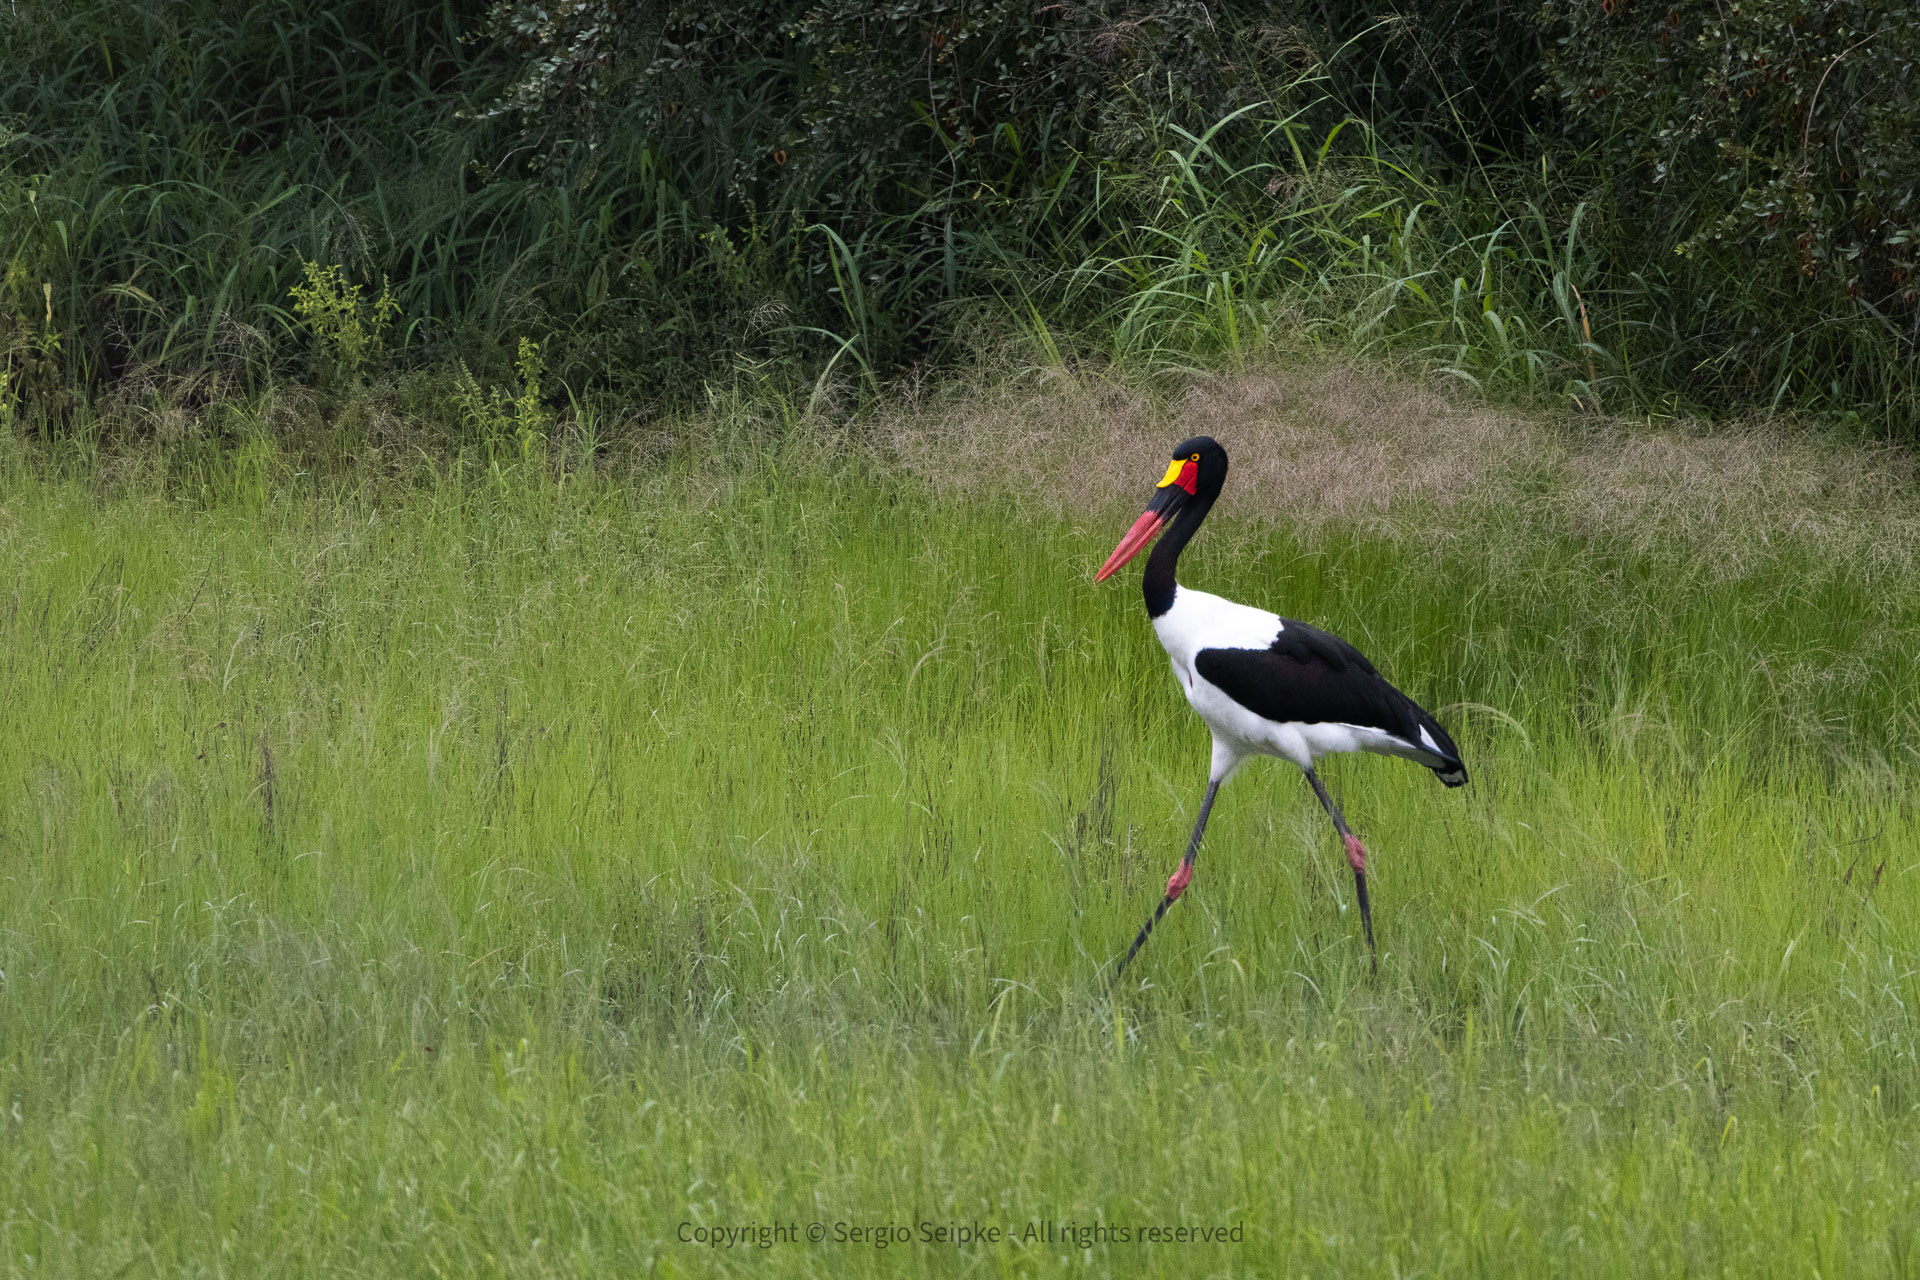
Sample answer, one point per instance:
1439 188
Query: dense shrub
167 167
1774 147
1629 205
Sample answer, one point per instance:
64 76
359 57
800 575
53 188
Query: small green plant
495 416
29 344
349 331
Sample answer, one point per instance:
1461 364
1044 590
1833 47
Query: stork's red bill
1182 474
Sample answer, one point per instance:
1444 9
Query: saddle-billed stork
1265 685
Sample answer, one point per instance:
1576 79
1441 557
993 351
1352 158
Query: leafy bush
1774 147
169 166
1638 207
888 166
349 331
495 416
29 342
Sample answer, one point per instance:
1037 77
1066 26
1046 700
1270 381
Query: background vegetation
447 830
1641 207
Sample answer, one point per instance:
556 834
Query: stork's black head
1198 469
1209 462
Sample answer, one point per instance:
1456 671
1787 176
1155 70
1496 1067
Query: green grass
476 874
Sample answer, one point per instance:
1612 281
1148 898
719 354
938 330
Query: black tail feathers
1435 740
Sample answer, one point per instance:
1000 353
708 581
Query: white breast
1200 621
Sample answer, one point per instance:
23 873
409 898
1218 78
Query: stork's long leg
1176 883
1356 858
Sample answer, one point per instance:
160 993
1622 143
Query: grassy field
475 872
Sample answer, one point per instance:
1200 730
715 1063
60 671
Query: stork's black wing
1310 676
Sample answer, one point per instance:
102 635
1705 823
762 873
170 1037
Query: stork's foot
1356 854
1177 883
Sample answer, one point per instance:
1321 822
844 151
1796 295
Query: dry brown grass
1343 444
1315 445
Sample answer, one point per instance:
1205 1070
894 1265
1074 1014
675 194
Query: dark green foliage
170 166
1031 150
877 164
896 164
1773 148
167 169
1631 207
1448 81
852 111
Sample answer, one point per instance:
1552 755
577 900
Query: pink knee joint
1178 881
1356 854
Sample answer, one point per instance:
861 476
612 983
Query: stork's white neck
1197 620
